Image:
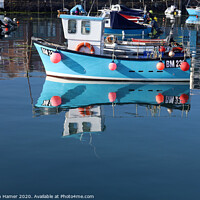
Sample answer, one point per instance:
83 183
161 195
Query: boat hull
133 18
126 32
193 11
78 65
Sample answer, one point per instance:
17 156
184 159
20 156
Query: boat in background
172 11
7 26
121 26
10 22
125 22
193 10
1 26
78 10
135 15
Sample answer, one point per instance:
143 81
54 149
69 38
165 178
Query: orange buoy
55 57
185 66
162 49
55 100
112 66
184 98
112 96
160 65
159 98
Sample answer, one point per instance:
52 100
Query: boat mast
180 4
83 3
110 1
187 3
91 7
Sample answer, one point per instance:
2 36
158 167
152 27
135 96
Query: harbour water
108 141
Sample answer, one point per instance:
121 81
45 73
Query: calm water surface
135 148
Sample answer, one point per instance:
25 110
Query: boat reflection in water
193 20
83 101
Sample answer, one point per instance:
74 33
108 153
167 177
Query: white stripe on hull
56 74
65 80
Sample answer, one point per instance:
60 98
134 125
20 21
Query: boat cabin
80 29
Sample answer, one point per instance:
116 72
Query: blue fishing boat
84 57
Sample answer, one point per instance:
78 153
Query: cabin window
85 27
72 26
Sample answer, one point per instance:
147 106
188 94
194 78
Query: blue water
139 152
